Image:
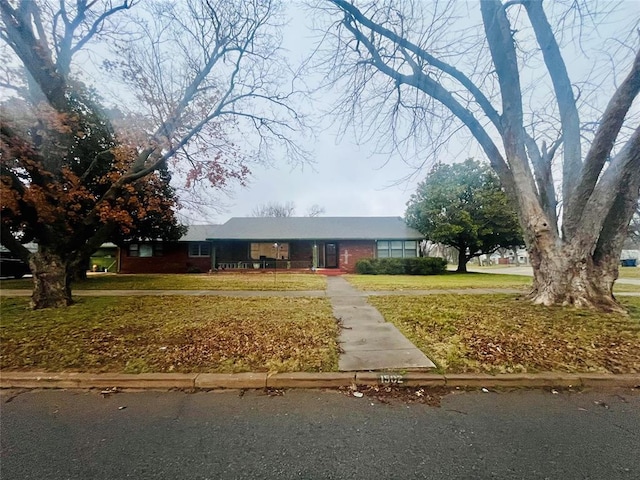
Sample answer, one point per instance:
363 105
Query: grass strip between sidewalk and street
170 334
266 281
500 334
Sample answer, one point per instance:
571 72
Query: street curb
210 381
310 380
236 380
96 380
506 380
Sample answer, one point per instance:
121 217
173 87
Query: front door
331 255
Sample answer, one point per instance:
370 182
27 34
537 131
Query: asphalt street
312 434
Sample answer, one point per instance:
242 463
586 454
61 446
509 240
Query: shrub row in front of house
402 266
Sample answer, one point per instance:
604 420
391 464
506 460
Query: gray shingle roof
199 233
315 228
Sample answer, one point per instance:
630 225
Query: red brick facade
350 251
174 258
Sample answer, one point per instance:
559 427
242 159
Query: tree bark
570 277
462 260
51 282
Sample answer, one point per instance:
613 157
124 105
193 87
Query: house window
396 248
268 250
410 248
199 249
383 249
145 250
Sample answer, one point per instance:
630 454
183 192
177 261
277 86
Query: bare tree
406 67
315 210
200 77
274 209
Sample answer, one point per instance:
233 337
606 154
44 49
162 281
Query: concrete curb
208 381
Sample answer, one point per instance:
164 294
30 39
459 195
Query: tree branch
602 144
429 86
543 177
569 118
599 206
450 70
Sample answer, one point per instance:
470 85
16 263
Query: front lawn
498 334
170 334
629 272
269 281
445 281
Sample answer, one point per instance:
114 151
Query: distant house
253 243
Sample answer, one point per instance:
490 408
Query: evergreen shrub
402 266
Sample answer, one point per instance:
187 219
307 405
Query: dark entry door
331 255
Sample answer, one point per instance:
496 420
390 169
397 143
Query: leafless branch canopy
424 68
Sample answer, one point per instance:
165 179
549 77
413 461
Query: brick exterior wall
174 259
353 250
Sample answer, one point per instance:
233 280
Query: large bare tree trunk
570 277
51 282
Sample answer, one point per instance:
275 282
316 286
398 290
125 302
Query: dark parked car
12 266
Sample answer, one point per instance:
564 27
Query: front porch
277 254
289 255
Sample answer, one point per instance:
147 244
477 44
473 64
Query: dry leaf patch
171 334
498 333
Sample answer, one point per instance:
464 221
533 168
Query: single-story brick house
253 243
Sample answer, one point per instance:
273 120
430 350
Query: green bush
364 267
425 266
402 266
391 266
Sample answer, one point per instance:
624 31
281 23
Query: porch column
314 261
213 257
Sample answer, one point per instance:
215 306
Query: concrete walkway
367 341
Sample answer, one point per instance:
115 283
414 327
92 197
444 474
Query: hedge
402 266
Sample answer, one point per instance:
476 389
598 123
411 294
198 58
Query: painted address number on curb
390 379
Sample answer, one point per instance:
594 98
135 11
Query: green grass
170 334
437 282
222 281
625 288
498 333
629 272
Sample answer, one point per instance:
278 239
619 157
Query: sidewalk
368 342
